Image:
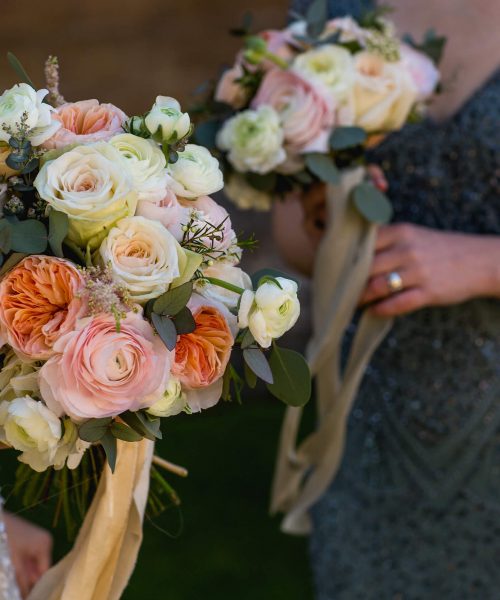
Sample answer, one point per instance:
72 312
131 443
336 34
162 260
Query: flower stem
277 60
224 284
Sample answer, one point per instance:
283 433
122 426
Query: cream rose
228 273
254 140
196 173
146 163
92 185
33 429
270 311
172 402
143 255
328 67
20 100
383 93
167 120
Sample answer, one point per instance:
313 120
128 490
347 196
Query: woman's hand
436 269
30 549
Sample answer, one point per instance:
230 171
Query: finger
387 261
378 178
378 287
386 236
400 304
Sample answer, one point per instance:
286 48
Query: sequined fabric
8 586
415 510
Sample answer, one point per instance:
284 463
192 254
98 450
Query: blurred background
221 543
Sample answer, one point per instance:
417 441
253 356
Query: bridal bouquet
303 103
121 299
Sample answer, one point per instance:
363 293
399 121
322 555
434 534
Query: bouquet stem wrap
102 560
304 472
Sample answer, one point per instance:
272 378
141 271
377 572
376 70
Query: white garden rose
245 196
146 163
228 273
172 402
253 140
167 119
143 256
383 94
330 67
18 377
92 185
22 100
196 173
270 311
34 430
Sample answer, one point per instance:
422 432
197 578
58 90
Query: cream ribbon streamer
342 267
99 565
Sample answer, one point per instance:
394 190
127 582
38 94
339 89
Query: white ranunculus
34 430
245 196
18 377
196 173
329 67
270 311
70 449
92 185
225 272
383 94
143 256
167 118
20 100
146 163
253 140
172 402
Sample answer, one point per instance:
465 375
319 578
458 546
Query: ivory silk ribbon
99 565
342 266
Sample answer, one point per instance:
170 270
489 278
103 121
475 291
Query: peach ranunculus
201 357
306 114
101 372
86 121
40 301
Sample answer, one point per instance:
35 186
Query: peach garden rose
98 371
40 300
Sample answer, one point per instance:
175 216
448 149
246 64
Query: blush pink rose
424 73
100 372
166 211
280 43
86 121
306 114
228 89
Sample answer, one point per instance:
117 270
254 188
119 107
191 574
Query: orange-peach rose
39 302
86 121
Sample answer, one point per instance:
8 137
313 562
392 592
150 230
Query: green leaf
250 376
316 17
269 273
189 262
110 447
184 321
148 428
263 183
269 279
28 236
372 204
323 167
257 362
5 236
122 432
247 339
292 378
58 230
347 137
206 132
172 302
19 69
94 429
11 262
166 330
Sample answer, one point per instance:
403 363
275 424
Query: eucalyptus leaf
247 339
28 236
166 330
5 236
125 433
94 429
172 302
11 262
250 376
323 167
316 17
184 321
292 378
110 447
257 362
58 230
148 428
30 166
15 63
372 204
347 137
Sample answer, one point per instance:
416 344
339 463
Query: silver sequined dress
8 586
414 513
